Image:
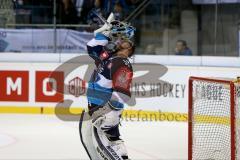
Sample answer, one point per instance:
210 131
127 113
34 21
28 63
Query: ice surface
38 137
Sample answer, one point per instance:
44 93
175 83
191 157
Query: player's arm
95 46
101 38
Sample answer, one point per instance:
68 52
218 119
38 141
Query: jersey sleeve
95 46
122 76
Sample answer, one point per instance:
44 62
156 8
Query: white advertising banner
40 84
42 40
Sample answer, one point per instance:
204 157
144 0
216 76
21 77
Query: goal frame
232 112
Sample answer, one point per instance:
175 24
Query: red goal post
212 127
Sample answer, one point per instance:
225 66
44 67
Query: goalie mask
121 30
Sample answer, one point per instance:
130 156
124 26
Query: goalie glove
106 28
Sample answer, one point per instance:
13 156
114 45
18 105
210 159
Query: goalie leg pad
113 133
108 120
103 146
105 136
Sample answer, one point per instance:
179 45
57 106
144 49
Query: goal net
214 111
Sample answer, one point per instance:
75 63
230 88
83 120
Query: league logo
76 87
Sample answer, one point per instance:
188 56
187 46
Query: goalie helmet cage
213 119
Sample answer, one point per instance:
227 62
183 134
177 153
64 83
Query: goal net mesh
211 131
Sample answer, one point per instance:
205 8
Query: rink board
25 86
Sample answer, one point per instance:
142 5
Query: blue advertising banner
42 40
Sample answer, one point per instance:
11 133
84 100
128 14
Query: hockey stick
100 17
132 16
137 11
81 137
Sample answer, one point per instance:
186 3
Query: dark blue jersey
112 78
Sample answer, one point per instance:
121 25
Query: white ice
45 137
